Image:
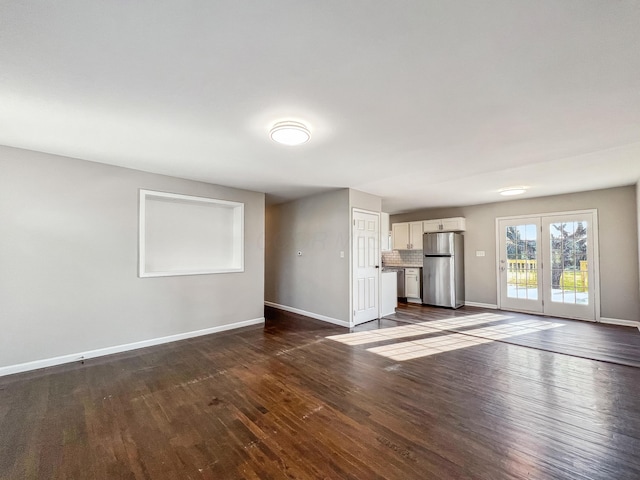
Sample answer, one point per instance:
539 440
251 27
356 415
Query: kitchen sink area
407 266
399 271
408 282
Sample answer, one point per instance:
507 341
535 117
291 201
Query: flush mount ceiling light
509 191
290 133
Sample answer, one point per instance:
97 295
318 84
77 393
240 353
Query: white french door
569 257
365 268
519 264
548 264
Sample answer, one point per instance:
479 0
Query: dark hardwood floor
546 399
608 343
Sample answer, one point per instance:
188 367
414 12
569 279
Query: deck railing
525 272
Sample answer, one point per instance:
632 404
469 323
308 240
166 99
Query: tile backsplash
411 258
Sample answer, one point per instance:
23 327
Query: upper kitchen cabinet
407 236
400 236
455 224
415 235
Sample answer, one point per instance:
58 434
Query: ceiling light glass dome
509 191
290 133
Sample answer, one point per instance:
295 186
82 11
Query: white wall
618 242
69 254
638 215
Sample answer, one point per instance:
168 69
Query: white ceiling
424 103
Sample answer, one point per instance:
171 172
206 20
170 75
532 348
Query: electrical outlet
341 254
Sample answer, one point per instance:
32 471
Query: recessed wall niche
187 235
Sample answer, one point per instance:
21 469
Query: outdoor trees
568 248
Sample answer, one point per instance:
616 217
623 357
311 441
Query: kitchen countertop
391 267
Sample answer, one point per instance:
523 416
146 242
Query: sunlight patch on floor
469 321
416 330
383 334
445 341
456 341
427 346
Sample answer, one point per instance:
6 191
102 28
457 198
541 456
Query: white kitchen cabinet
400 236
388 293
431 226
415 235
454 224
412 282
407 236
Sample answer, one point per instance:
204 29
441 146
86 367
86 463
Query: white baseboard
482 305
618 321
316 316
76 357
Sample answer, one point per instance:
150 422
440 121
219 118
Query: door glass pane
569 269
522 262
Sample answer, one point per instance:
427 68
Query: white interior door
548 264
366 262
519 264
569 257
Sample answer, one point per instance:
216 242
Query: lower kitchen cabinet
412 280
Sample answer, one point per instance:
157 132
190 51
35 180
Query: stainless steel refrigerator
443 269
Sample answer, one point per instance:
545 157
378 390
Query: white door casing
365 266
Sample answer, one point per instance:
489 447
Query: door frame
351 220
596 255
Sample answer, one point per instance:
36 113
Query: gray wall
317 281
618 240
319 226
364 201
69 253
